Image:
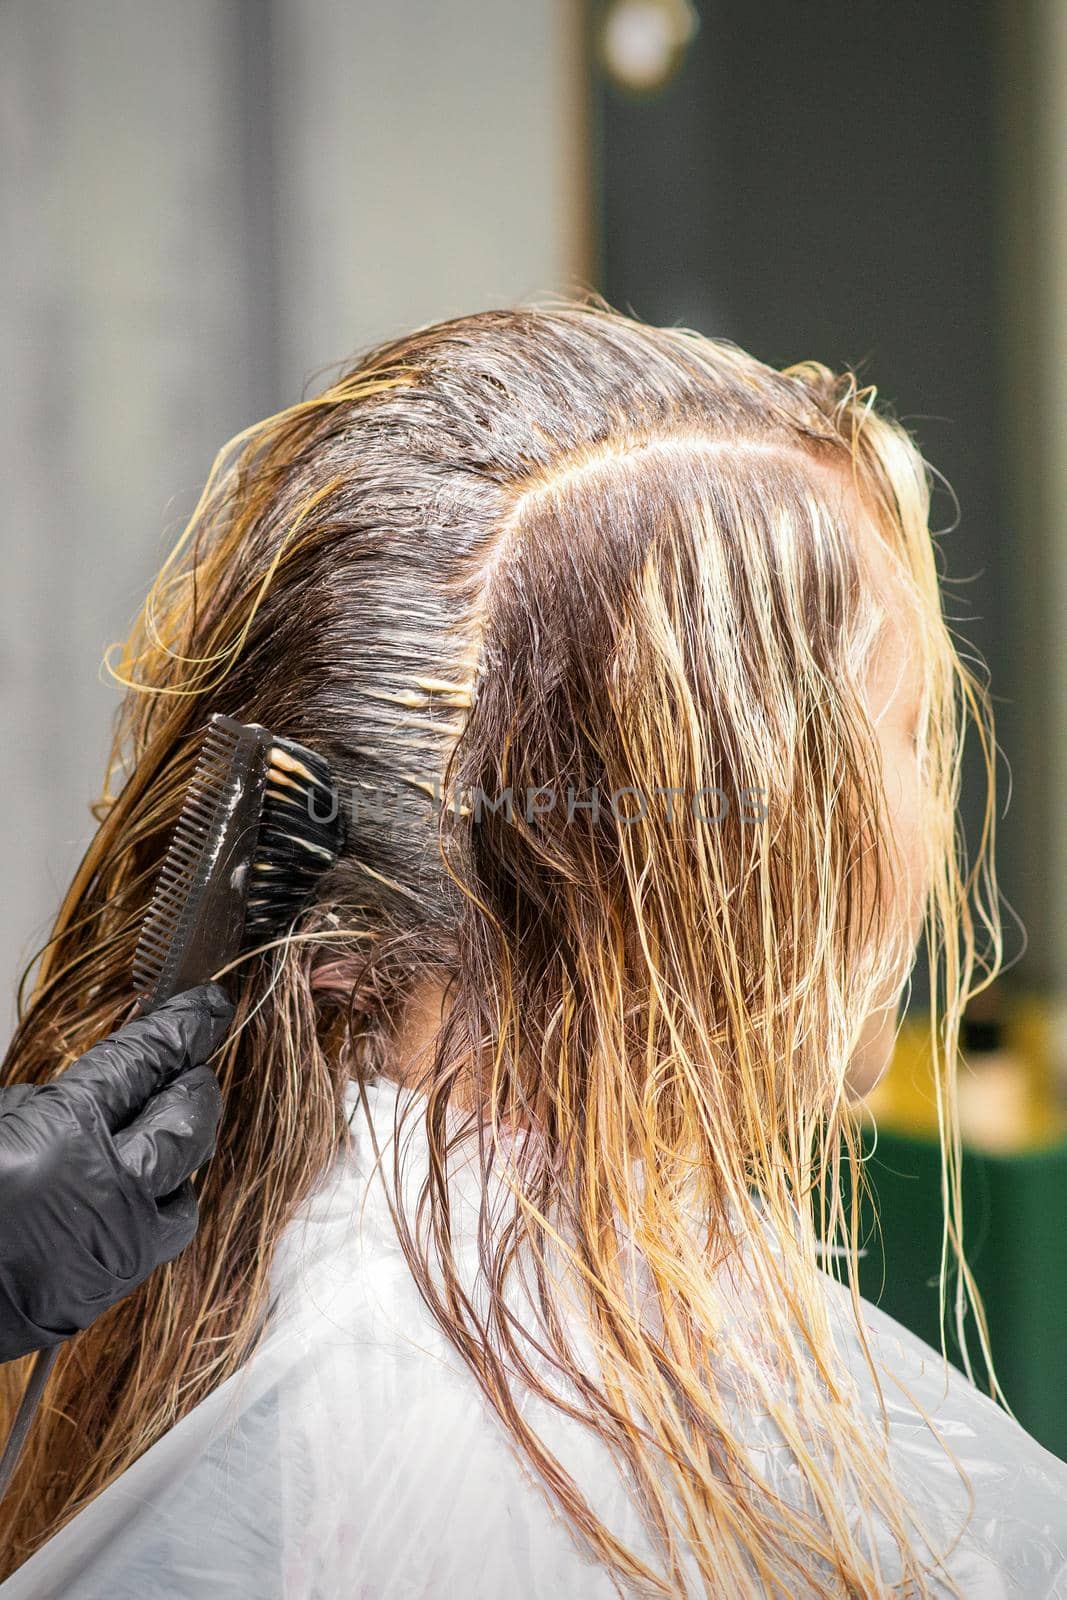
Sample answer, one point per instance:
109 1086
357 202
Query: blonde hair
553 549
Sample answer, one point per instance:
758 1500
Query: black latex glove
95 1169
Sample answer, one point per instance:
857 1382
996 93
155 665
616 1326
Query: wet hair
551 551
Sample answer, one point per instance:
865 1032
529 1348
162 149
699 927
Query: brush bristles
189 859
301 835
259 827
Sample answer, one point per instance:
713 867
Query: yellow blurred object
1007 1100
904 1098
996 1101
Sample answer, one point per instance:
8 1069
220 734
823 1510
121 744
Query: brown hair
549 548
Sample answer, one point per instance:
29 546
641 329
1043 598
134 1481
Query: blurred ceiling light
642 42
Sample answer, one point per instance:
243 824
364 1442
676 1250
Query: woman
627 653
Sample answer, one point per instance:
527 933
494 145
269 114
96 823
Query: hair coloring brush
259 826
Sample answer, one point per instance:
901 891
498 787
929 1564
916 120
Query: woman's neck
414 1034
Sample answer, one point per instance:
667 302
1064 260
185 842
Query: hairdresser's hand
95 1169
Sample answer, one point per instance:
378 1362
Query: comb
259 827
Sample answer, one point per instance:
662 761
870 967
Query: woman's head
598 626
556 552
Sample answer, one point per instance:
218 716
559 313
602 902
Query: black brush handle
40 1372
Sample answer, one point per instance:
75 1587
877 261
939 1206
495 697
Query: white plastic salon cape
353 1457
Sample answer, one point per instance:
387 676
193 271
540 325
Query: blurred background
207 205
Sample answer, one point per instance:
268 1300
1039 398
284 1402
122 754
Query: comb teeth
259 826
191 915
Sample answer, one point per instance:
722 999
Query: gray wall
203 203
